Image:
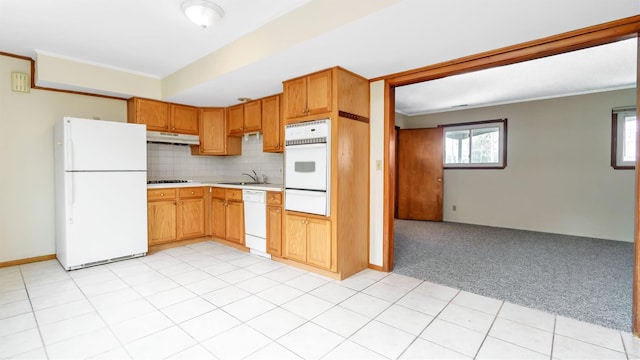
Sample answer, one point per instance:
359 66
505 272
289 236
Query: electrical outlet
454 208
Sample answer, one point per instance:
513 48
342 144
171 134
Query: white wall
376 177
26 159
558 178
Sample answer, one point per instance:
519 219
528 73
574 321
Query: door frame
601 34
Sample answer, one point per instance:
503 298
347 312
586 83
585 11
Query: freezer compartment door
105 217
98 145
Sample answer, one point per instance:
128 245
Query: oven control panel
307 132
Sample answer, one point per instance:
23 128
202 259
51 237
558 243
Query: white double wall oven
308 167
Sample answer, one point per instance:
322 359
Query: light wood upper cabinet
213 135
272 126
162 116
308 240
308 95
183 119
155 114
253 116
244 118
235 120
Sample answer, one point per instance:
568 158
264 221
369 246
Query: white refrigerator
101 191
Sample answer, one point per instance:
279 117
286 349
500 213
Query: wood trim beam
636 261
574 40
388 204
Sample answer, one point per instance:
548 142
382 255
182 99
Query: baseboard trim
27 260
172 244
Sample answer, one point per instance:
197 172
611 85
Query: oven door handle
305 146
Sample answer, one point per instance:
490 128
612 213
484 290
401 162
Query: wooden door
253 116
420 174
235 222
272 128
319 243
184 119
161 221
295 238
235 120
294 97
213 134
191 218
274 230
218 218
155 114
319 93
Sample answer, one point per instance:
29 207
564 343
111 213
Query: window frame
617 137
502 125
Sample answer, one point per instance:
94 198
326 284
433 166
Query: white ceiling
154 38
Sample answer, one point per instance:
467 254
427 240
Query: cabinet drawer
191 192
217 192
161 194
234 194
274 198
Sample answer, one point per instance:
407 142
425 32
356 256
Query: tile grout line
33 313
486 335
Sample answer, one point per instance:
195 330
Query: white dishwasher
255 221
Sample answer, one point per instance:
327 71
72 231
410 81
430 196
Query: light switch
20 82
379 165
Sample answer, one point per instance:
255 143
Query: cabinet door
213 133
155 114
272 128
274 230
191 218
294 97
161 222
253 116
235 222
319 243
218 218
295 240
184 119
235 120
319 93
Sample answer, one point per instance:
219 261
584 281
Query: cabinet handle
192 193
278 211
277 146
173 128
161 194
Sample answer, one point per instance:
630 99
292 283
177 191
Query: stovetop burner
168 181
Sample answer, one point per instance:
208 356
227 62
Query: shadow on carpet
582 278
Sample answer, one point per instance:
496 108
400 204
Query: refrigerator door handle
69 196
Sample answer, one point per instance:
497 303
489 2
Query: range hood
172 138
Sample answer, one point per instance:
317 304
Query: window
476 145
623 138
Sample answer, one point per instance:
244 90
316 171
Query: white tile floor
209 301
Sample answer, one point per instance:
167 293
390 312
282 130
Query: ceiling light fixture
202 13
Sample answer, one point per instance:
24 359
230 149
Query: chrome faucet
254 177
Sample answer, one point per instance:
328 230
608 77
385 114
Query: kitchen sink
237 183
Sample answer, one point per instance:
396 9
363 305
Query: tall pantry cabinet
337 245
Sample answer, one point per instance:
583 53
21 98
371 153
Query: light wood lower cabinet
161 216
191 213
274 223
227 214
308 240
175 214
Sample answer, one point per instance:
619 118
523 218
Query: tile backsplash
166 161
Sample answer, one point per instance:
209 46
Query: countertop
266 187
